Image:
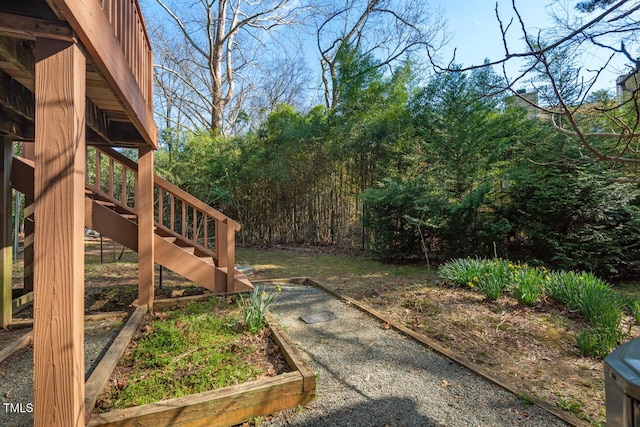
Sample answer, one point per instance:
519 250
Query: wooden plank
102 372
15 125
28 151
216 408
110 224
22 300
160 219
59 251
28 322
19 53
292 356
30 27
144 208
6 242
183 263
231 257
16 97
92 27
16 345
22 175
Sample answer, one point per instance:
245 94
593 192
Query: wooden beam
15 125
98 121
94 31
144 208
58 348
102 372
28 152
291 355
16 97
6 243
19 53
16 345
21 301
30 27
35 8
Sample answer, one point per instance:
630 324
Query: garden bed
284 381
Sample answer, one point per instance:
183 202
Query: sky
475 31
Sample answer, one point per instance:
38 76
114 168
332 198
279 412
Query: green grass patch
185 351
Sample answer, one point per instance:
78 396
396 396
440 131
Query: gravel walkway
16 373
371 376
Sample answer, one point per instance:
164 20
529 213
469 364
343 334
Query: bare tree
216 45
388 30
604 33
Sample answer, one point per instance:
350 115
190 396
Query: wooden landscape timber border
16 345
229 405
433 345
27 322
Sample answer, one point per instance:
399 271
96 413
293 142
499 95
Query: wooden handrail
173 189
195 215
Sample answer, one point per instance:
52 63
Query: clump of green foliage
255 307
600 306
527 285
185 351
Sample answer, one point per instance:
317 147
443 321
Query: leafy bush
527 285
633 305
491 277
598 342
389 210
464 271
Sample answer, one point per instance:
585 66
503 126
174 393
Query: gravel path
371 376
16 373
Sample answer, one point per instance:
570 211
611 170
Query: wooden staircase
191 238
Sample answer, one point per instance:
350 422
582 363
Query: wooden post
58 342
226 251
144 209
28 152
6 248
231 257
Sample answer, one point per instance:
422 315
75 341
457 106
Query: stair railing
176 212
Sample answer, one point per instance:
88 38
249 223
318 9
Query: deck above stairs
190 238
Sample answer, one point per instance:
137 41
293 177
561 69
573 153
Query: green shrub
527 285
492 286
464 271
598 342
633 305
491 277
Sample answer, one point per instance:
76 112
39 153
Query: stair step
189 249
105 203
170 239
208 260
129 216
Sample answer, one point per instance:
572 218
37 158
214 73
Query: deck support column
144 209
58 341
6 242
28 152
